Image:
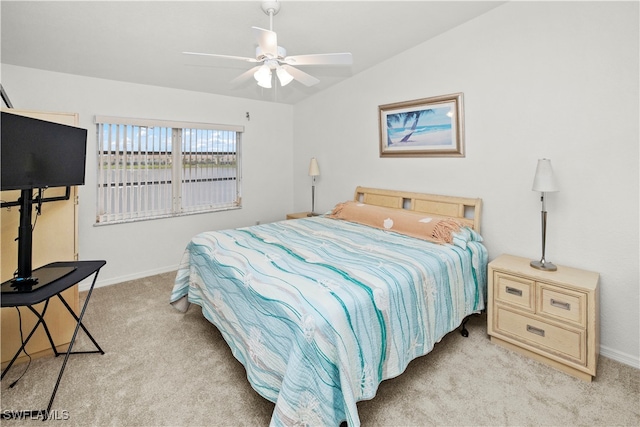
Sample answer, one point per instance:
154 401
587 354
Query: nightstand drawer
562 304
514 290
567 343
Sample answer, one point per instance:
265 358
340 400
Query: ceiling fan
270 57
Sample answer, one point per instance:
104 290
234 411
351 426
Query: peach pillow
425 226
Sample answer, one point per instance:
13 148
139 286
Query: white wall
148 247
540 79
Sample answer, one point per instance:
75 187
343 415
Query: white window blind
155 169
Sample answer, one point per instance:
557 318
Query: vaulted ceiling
142 41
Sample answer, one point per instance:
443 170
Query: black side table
76 271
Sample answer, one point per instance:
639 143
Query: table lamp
544 182
314 171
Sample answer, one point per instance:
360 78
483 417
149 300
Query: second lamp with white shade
544 182
314 171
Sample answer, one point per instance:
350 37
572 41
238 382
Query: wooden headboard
466 210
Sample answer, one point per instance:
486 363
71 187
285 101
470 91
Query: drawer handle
535 330
513 291
560 304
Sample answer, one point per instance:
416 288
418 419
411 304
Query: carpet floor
165 368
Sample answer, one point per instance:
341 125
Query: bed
321 310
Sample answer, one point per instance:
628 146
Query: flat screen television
39 154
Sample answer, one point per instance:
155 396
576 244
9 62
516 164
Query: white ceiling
142 41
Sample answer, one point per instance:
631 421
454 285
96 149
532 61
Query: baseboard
86 284
619 356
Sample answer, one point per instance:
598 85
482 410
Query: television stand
76 272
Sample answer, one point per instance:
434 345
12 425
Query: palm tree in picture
405 117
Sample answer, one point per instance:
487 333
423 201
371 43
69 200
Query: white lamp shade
544 180
284 77
265 84
314 170
263 77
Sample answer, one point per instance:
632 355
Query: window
156 169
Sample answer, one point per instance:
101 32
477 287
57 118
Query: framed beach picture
428 127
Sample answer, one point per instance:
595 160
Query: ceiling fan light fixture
265 83
284 77
263 76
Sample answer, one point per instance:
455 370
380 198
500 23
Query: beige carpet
162 367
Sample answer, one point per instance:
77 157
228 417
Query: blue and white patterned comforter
320 311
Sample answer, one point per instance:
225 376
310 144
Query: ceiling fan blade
320 59
301 76
245 76
267 40
242 58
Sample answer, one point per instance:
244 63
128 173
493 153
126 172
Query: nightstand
551 316
299 215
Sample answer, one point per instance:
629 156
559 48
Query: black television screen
38 154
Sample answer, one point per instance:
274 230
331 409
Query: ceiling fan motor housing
282 53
